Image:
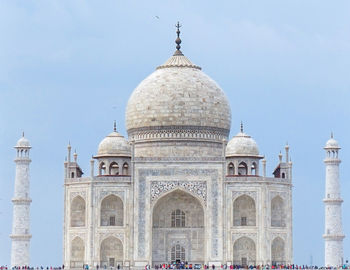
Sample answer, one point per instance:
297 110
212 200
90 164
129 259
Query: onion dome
114 145
332 143
178 94
242 145
23 143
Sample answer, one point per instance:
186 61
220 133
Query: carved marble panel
77 193
197 188
236 236
105 193
236 194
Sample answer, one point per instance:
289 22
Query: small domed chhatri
23 142
178 94
242 145
332 143
114 144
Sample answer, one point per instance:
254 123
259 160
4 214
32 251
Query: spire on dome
178 60
178 40
332 135
115 126
241 127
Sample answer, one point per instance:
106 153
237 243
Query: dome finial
332 135
178 40
115 126
241 127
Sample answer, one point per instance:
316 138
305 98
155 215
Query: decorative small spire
115 126
23 134
178 40
75 155
241 127
332 135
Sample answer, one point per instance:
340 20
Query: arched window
254 169
112 211
114 168
178 218
72 174
277 251
178 253
242 168
283 175
277 212
125 169
244 212
102 168
77 212
77 253
231 169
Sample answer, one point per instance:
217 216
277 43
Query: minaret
21 203
333 218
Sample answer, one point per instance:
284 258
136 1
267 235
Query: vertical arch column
278 216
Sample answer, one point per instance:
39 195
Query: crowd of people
185 265
5 267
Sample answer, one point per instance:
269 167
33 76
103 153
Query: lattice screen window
178 218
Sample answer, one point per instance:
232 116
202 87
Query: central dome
178 93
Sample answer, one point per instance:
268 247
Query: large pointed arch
178 225
244 211
77 212
111 252
244 251
112 211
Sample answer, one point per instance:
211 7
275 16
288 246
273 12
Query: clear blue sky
67 69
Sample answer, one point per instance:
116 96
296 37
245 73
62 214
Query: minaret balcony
20 236
336 237
21 200
332 161
333 200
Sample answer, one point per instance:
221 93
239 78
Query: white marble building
176 189
333 217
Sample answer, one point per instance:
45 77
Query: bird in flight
157 17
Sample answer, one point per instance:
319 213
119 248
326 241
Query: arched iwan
178 225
